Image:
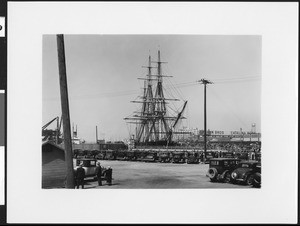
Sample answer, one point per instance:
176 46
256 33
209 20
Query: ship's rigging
154 123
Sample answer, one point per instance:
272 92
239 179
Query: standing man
98 173
202 157
109 175
80 175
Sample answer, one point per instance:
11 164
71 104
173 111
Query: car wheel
256 180
227 178
249 180
212 173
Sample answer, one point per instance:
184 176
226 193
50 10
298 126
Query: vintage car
144 155
110 155
178 157
121 155
242 155
149 156
89 166
220 169
91 153
140 154
192 157
100 155
79 153
210 154
164 156
245 172
226 154
130 155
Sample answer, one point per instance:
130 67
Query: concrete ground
136 175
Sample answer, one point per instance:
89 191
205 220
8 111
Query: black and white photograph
152 111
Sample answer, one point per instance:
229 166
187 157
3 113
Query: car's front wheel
256 180
227 178
212 174
249 180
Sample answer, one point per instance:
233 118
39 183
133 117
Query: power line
172 86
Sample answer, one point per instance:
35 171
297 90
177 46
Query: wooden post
65 111
205 82
205 121
72 131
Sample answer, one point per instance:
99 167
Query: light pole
204 82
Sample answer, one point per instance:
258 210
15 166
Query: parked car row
236 171
164 156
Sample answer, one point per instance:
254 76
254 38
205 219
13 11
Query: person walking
80 175
98 173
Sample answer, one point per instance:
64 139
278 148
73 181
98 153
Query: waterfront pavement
127 175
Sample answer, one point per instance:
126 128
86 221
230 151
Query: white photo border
275 202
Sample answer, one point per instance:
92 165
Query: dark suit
109 176
80 175
98 174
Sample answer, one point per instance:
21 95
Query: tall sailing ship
155 122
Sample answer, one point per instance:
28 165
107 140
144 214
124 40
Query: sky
103 72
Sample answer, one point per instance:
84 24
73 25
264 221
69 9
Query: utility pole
73 130
65 111
204 82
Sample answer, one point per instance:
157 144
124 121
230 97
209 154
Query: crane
47 124
179 116
48 135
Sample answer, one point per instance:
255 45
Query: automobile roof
249 161
86 159
221 159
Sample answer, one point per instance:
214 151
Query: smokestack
96 134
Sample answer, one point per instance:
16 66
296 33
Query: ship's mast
147 111
160 126
152 122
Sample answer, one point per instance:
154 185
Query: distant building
217 135
86 146
101 141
